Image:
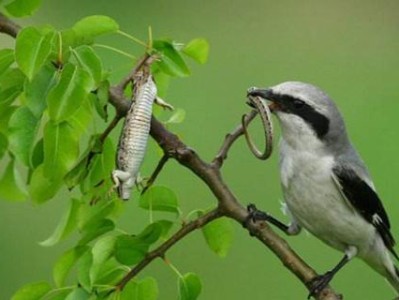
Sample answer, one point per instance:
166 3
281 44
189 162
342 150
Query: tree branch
7 26
125 81
228 204
161 250
230 139
164 159
109 128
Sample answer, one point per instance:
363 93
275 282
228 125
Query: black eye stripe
316 120
298 103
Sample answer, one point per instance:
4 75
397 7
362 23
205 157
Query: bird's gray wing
358 193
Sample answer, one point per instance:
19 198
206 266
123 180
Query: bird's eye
298 104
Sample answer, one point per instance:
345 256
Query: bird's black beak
263 93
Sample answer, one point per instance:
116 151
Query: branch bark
7 26
161 250
228 205
209 173
230 138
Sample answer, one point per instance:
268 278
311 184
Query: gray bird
327 188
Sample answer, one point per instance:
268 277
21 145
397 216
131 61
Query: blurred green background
348 48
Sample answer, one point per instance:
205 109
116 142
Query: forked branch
209 173
228 204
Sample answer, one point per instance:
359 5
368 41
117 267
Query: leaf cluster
53 98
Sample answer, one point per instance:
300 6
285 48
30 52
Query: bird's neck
303 143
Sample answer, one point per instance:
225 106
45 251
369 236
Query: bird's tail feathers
393 278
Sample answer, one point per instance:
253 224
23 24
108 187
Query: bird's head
307 115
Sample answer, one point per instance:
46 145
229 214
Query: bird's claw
319 283
254 215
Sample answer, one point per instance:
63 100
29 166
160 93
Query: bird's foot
254 215
319 283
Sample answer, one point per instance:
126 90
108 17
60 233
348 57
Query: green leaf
3 144
78 294
154 231
90 27
161 79
77 174
61 149
151 233
65 263
84 265
197 49
37 154
68 223
102 251
166 226
103 164
81 169
32 49
22 127
111 273
130 250
11 85
146 289
91 214
32 291
95 229
189 287
21 8
6 112
41 188
69 93
37 89
6 59
178 116
219 235
82 118
90 62
101 101
11 186
159 198
171 61
56 294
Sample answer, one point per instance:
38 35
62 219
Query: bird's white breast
315 202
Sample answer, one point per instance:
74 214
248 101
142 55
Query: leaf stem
151 215
115 50
149 38
105 286
164 247
192 213
59 58
173 267
132 38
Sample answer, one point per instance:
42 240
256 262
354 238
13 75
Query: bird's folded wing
365 201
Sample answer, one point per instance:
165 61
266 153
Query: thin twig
156 172
162 249
109 128
228 203
210 174
230 207
125 81
9 27
230 139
